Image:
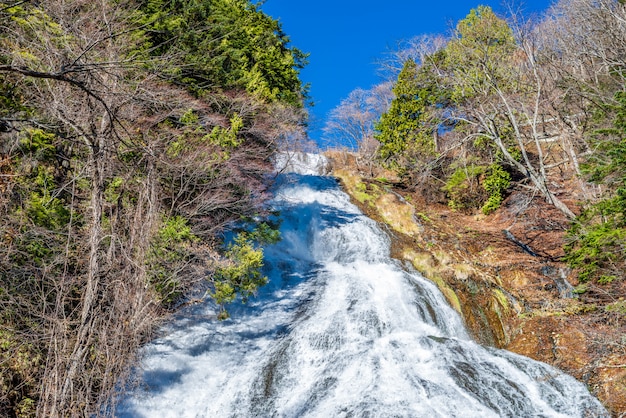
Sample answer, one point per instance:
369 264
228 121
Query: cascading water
341 330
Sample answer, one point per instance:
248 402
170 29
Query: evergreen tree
404 131
477 57
220 45
597 238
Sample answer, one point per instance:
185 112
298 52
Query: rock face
512 296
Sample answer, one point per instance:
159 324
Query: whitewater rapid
341 330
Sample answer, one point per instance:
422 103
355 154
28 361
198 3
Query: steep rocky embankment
503 274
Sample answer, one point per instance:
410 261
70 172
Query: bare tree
503 95
77 74
584 41
351 124
579 50
419 49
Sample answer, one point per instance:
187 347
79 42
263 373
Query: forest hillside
132 132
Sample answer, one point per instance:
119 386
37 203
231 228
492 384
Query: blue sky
346 38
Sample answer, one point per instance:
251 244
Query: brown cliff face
503 275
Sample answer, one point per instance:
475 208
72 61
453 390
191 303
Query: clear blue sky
346 38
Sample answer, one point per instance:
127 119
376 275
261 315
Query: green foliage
463 187
39 144
168 255
597 238
361 194
496 182
113 190
19 366
46 211
37 218
478 54
189 118
264 234
617 307
592 248
175 231
225 44
43 203
227 137
10 99
81 188
35 20
405 135
26 408
242 274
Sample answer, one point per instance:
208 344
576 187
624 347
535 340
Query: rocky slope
503 274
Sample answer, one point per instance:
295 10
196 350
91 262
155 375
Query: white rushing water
341 330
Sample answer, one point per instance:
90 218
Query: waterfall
341 330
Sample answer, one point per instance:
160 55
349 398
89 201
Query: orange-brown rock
509 297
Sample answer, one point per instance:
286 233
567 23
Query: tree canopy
405 131
223 44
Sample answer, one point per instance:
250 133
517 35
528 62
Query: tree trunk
84 331
537 180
